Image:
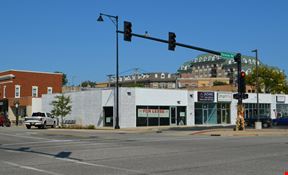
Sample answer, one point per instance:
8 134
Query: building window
17 91
4 91
49 90
34 91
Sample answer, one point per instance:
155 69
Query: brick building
26 88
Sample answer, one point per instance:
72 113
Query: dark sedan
280 121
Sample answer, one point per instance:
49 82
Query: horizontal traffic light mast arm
178 44
198 48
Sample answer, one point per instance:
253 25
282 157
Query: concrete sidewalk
246 132
177 131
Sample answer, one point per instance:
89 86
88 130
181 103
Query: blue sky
63 35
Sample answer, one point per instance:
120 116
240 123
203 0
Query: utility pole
135 73
258 123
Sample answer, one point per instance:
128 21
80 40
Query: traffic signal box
241 81
127 31
172 41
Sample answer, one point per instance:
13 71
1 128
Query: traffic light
172 41
127 31
237 58
242 82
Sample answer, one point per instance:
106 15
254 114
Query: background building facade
20 91
208 70
141 107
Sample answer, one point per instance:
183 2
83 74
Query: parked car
40 120
4 121
266 121
280 121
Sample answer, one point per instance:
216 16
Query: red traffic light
127 31
243 74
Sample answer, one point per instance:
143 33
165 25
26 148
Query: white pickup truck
40 120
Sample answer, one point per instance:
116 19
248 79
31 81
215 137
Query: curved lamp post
114 20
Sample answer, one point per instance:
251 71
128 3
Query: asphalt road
67 152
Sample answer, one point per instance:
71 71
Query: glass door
173 112
224 116
205 116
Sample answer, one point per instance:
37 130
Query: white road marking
21 136
70 160
30 168
31 143
99 165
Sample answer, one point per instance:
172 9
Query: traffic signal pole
237 59
240 123
177 44
171 46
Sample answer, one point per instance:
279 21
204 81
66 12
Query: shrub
91 127
75 126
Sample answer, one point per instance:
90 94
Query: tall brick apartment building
26 88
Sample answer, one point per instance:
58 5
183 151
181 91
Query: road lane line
79 162
28 143
13 135
102 166
30 168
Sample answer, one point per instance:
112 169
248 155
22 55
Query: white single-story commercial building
160 107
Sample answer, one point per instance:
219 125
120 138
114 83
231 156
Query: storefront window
160 115
205 113
282 110
251 110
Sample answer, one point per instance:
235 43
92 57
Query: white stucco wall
36 105
127 108
190 108
108 97
158 97
86 107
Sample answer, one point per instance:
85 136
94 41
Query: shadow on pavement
62 154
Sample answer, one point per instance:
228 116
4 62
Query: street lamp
114 19
257 84
16 103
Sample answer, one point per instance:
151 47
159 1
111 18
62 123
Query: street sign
243 96
227 55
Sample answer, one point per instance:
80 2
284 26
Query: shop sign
224 96
205 96
153 112
280 99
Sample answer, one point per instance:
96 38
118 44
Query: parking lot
69 152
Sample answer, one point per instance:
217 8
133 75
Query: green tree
61 106
219 83
64 78
271 80
88 83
